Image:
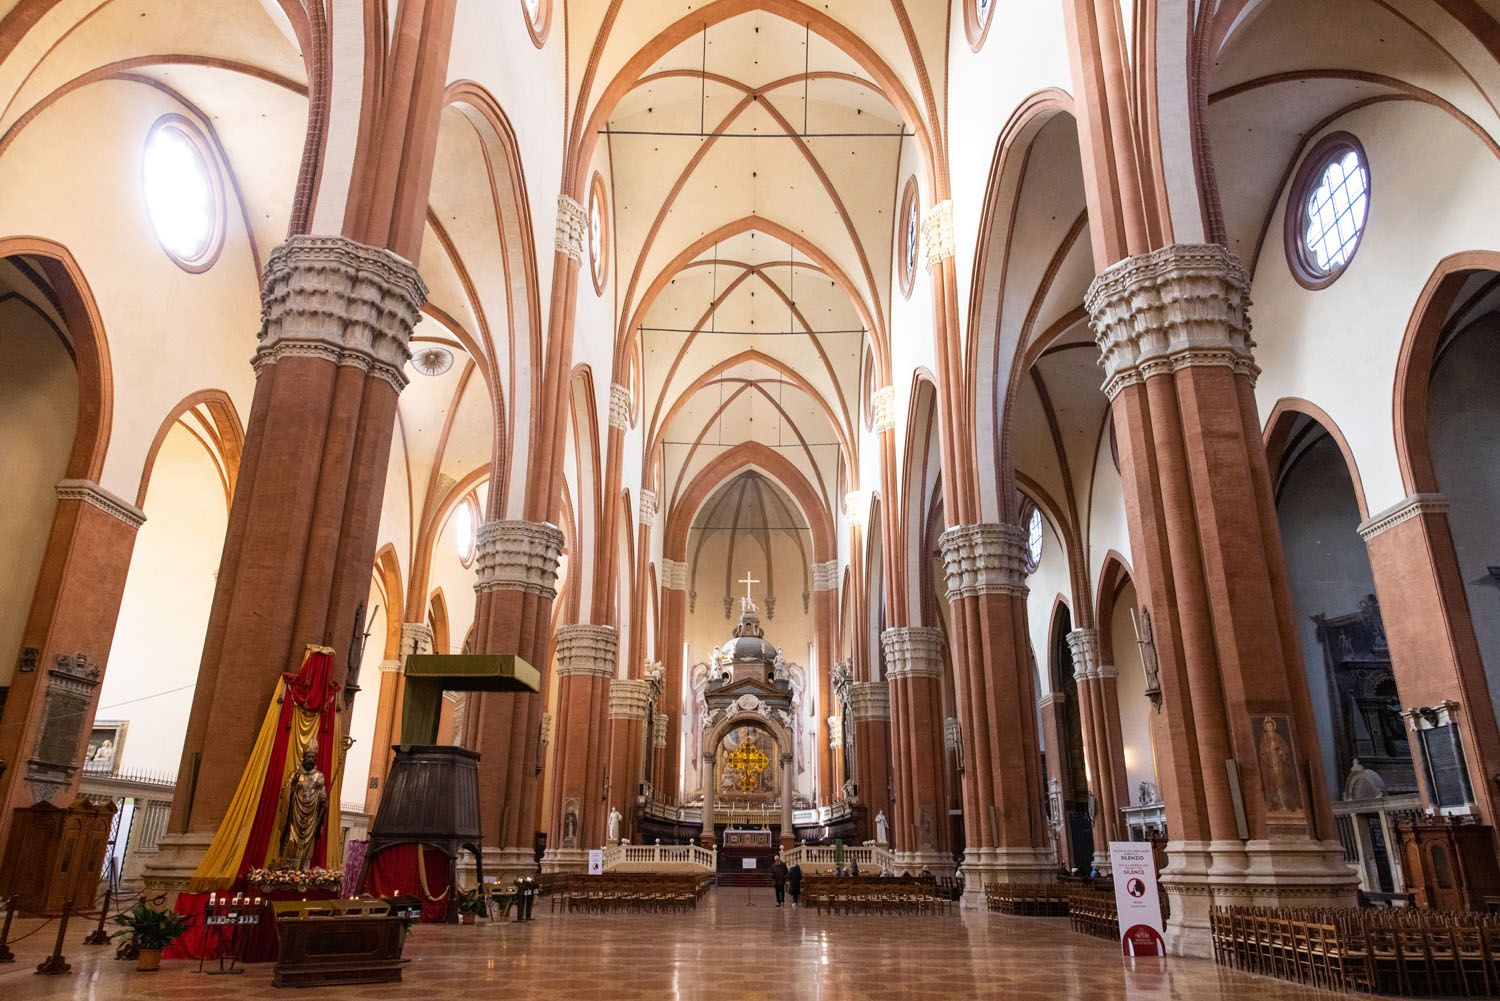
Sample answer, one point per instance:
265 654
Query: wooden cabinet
56 855
1449 866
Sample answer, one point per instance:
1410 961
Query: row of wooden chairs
1047 900
874 895
650 892
1400 951
1091 910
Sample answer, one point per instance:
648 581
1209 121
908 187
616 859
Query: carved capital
91 493
330 297
869 700
587 650
662 726
416 637
628 698
648 507
518 556
619 406
1411 507
825 576
913 651
984 559
391 667
1174 308
572 228
835 734
674 575
883 409
937 233
546 731
953 733
1083 644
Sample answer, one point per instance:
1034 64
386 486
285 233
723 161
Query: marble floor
738 944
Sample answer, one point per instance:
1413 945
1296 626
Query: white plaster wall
38 415
1047 583
1435 191
362 721
1107 527
158 643
1135 708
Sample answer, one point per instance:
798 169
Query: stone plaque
1447 774
70 694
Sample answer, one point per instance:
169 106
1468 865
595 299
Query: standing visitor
778 878
794 881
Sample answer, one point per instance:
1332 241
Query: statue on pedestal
307 805
614 825
882 834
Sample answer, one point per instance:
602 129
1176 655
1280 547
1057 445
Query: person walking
778 879
794 881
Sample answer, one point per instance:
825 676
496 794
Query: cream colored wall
1047 582
73 176
158 643
1135 708
1435 191
38 415
1107 528
362 722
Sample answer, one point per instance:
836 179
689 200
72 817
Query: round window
464 526
183 199
538 15
909 233
1330 203
598 234
1033 522
977 21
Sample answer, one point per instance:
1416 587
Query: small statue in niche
882 832
614 825
1148 794
306 807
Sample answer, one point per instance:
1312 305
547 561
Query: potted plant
152 930
472 904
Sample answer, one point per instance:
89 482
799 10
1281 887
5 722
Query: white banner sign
747 863
1136 899
596 861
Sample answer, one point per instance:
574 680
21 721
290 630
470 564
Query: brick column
586 657
337 316
674 580
1425 608
1247 806
914 668
628 700
1005 828
515 584
825 609
870 705
1102 749
74 608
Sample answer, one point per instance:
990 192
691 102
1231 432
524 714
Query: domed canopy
749 644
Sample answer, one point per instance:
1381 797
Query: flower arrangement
300 880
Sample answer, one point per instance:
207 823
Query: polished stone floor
738 944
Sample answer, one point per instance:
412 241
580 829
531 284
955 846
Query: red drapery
394 871
313 690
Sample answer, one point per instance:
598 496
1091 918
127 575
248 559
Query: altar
742 838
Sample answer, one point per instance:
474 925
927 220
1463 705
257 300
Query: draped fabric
420 870
304 707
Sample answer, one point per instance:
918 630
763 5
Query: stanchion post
54 965
6 956
99 936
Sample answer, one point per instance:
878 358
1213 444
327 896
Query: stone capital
572 228
587 650
913 651
1083 644
330 297
674 575
662 726
92 494
416 637
518 556
628 698
1406 509
953 733
869 700
546 731
937 233
619 406
390 667
825 576
1181 306
835 734
648 507
883 409
984 559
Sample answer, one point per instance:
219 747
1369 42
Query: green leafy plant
474 902
151 927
